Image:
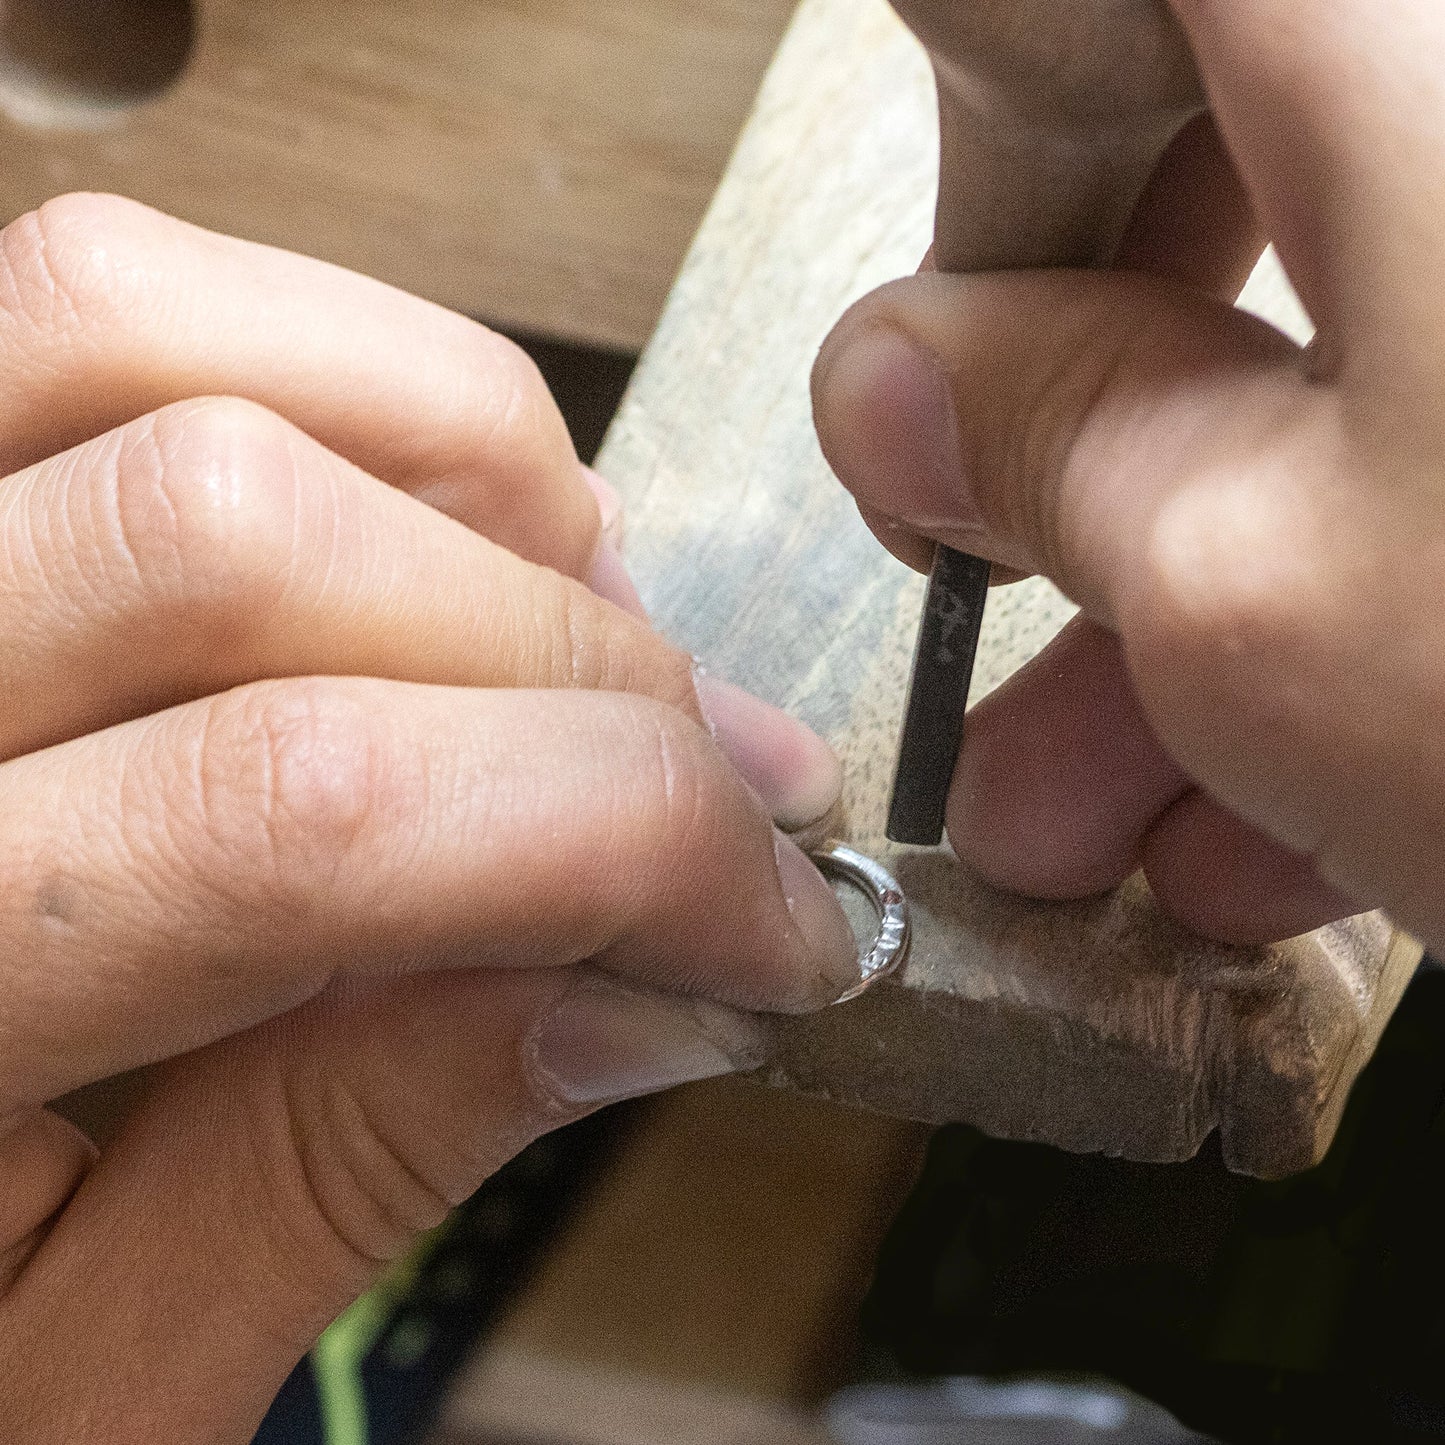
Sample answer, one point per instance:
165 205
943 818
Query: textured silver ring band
880 888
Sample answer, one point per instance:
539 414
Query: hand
1250 705
396 845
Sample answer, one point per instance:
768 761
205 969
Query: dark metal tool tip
937 697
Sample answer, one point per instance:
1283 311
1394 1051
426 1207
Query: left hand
378 839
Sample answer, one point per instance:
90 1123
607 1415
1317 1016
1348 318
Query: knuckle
503 410
372 1192
591 646
678 792
514 396
204 504
74 262
292 777
1230 601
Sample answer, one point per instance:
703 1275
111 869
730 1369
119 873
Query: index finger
110 311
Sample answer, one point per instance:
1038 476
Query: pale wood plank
711 1284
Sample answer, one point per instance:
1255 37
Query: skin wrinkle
292 1249
322 525
72 530
36 288
310 1173
18 545
390 1201
640 807
328 777
1049 451
135 493
92 259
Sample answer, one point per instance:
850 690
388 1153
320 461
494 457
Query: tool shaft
1095 92
937 696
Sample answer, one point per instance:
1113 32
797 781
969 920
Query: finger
1024 417
1195 223
267 1180
1166 460
109 310
1060 776
43 1158
1063 790
609 506
1227 880
212 544
1161 458
609 578
1334 117
182 877
905 544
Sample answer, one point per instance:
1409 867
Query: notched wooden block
1104 1027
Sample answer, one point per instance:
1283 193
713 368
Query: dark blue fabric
465 1282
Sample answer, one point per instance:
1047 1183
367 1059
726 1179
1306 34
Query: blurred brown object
539 163
708 1293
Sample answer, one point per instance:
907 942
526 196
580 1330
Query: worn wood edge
1376 1007
1284 1031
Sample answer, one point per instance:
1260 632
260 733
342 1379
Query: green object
340 1353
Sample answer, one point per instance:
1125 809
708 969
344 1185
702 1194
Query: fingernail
609 504
610 580
820 918
796 776
888 423
606 1041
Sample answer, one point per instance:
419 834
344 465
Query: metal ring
880 888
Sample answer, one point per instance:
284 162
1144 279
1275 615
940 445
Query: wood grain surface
542 164
1097 1025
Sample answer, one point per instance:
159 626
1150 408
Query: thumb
1047 420
269 1178
1173 466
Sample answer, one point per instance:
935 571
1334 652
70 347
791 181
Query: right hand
1249 708
389 844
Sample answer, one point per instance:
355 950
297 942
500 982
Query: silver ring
880 888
